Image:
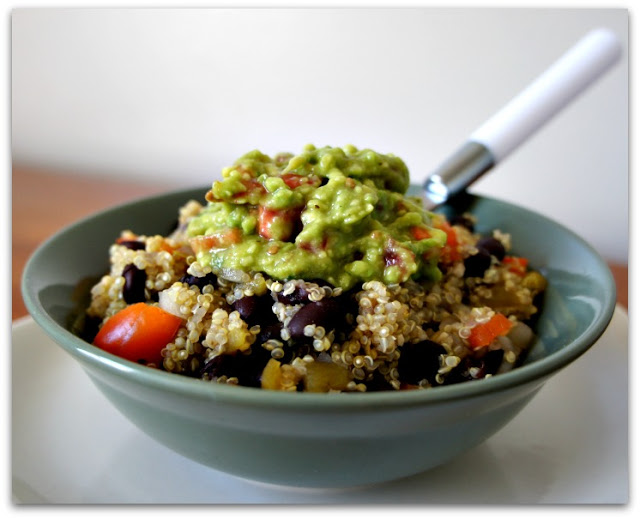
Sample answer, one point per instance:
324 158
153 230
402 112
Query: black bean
378 382
269 331
492 361
347 313
463 221
247 368
419 361
486 365
134 282
252 366
492 246
297 297
209 279
431 325
255 310
132 244
348 302
326 313
215 367
246 306
459 374
90 328
476 265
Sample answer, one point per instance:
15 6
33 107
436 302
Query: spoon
487 146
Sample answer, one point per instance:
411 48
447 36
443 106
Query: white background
175 95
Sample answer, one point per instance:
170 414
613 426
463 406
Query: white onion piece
520 335
167 300
235 275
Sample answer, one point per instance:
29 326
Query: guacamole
339 215
316 273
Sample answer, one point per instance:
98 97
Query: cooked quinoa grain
363 345
370 330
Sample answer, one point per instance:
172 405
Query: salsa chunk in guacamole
334 214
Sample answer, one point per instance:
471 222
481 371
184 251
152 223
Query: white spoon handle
562 82
549 93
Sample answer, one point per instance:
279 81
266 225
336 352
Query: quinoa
246 328
317 273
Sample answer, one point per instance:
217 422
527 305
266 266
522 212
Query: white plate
69 445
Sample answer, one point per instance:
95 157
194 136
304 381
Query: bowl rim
92 357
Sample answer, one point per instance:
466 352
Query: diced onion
235 275
168 302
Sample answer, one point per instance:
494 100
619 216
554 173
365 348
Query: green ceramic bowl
321 440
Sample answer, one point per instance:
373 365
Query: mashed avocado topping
333 214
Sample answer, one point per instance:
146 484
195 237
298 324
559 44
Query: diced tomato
131 242
278 224
450 251
292 180
485 333
516 264
218 240
138 333
252 185
316 246
266 219
419 233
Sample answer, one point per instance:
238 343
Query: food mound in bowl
316 273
